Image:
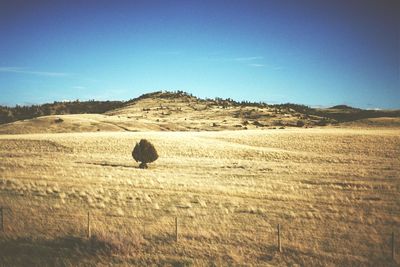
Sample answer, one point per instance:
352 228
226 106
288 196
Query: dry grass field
335 192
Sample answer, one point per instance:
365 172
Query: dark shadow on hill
291 256
346 115
109 164
62 251
339 113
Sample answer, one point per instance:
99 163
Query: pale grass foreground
335 193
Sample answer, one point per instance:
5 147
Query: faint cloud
27 71
256 65
232 58
246 58
373 107
321 106
278 68
251 61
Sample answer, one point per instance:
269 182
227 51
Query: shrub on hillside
144 152
322 122
300 123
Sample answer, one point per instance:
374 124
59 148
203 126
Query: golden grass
334 191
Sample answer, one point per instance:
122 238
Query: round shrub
144 152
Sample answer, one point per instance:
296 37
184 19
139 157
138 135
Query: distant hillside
344 107
10 114
180 111
347 114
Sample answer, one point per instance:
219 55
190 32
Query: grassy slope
334 191
166 111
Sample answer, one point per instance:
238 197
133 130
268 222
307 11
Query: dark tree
144 152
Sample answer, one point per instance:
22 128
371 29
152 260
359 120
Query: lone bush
144 152
322 122
300 123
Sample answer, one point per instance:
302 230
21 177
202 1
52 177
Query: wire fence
252 230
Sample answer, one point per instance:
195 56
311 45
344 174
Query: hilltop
180 111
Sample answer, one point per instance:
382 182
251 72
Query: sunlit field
334 192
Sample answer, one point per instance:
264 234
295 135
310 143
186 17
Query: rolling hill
180 111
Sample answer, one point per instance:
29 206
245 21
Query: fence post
2 219
88 225
176 229
393 246
279 238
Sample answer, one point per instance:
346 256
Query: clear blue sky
308 52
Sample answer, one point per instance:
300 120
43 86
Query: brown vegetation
144 152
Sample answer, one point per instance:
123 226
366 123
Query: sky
318 53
